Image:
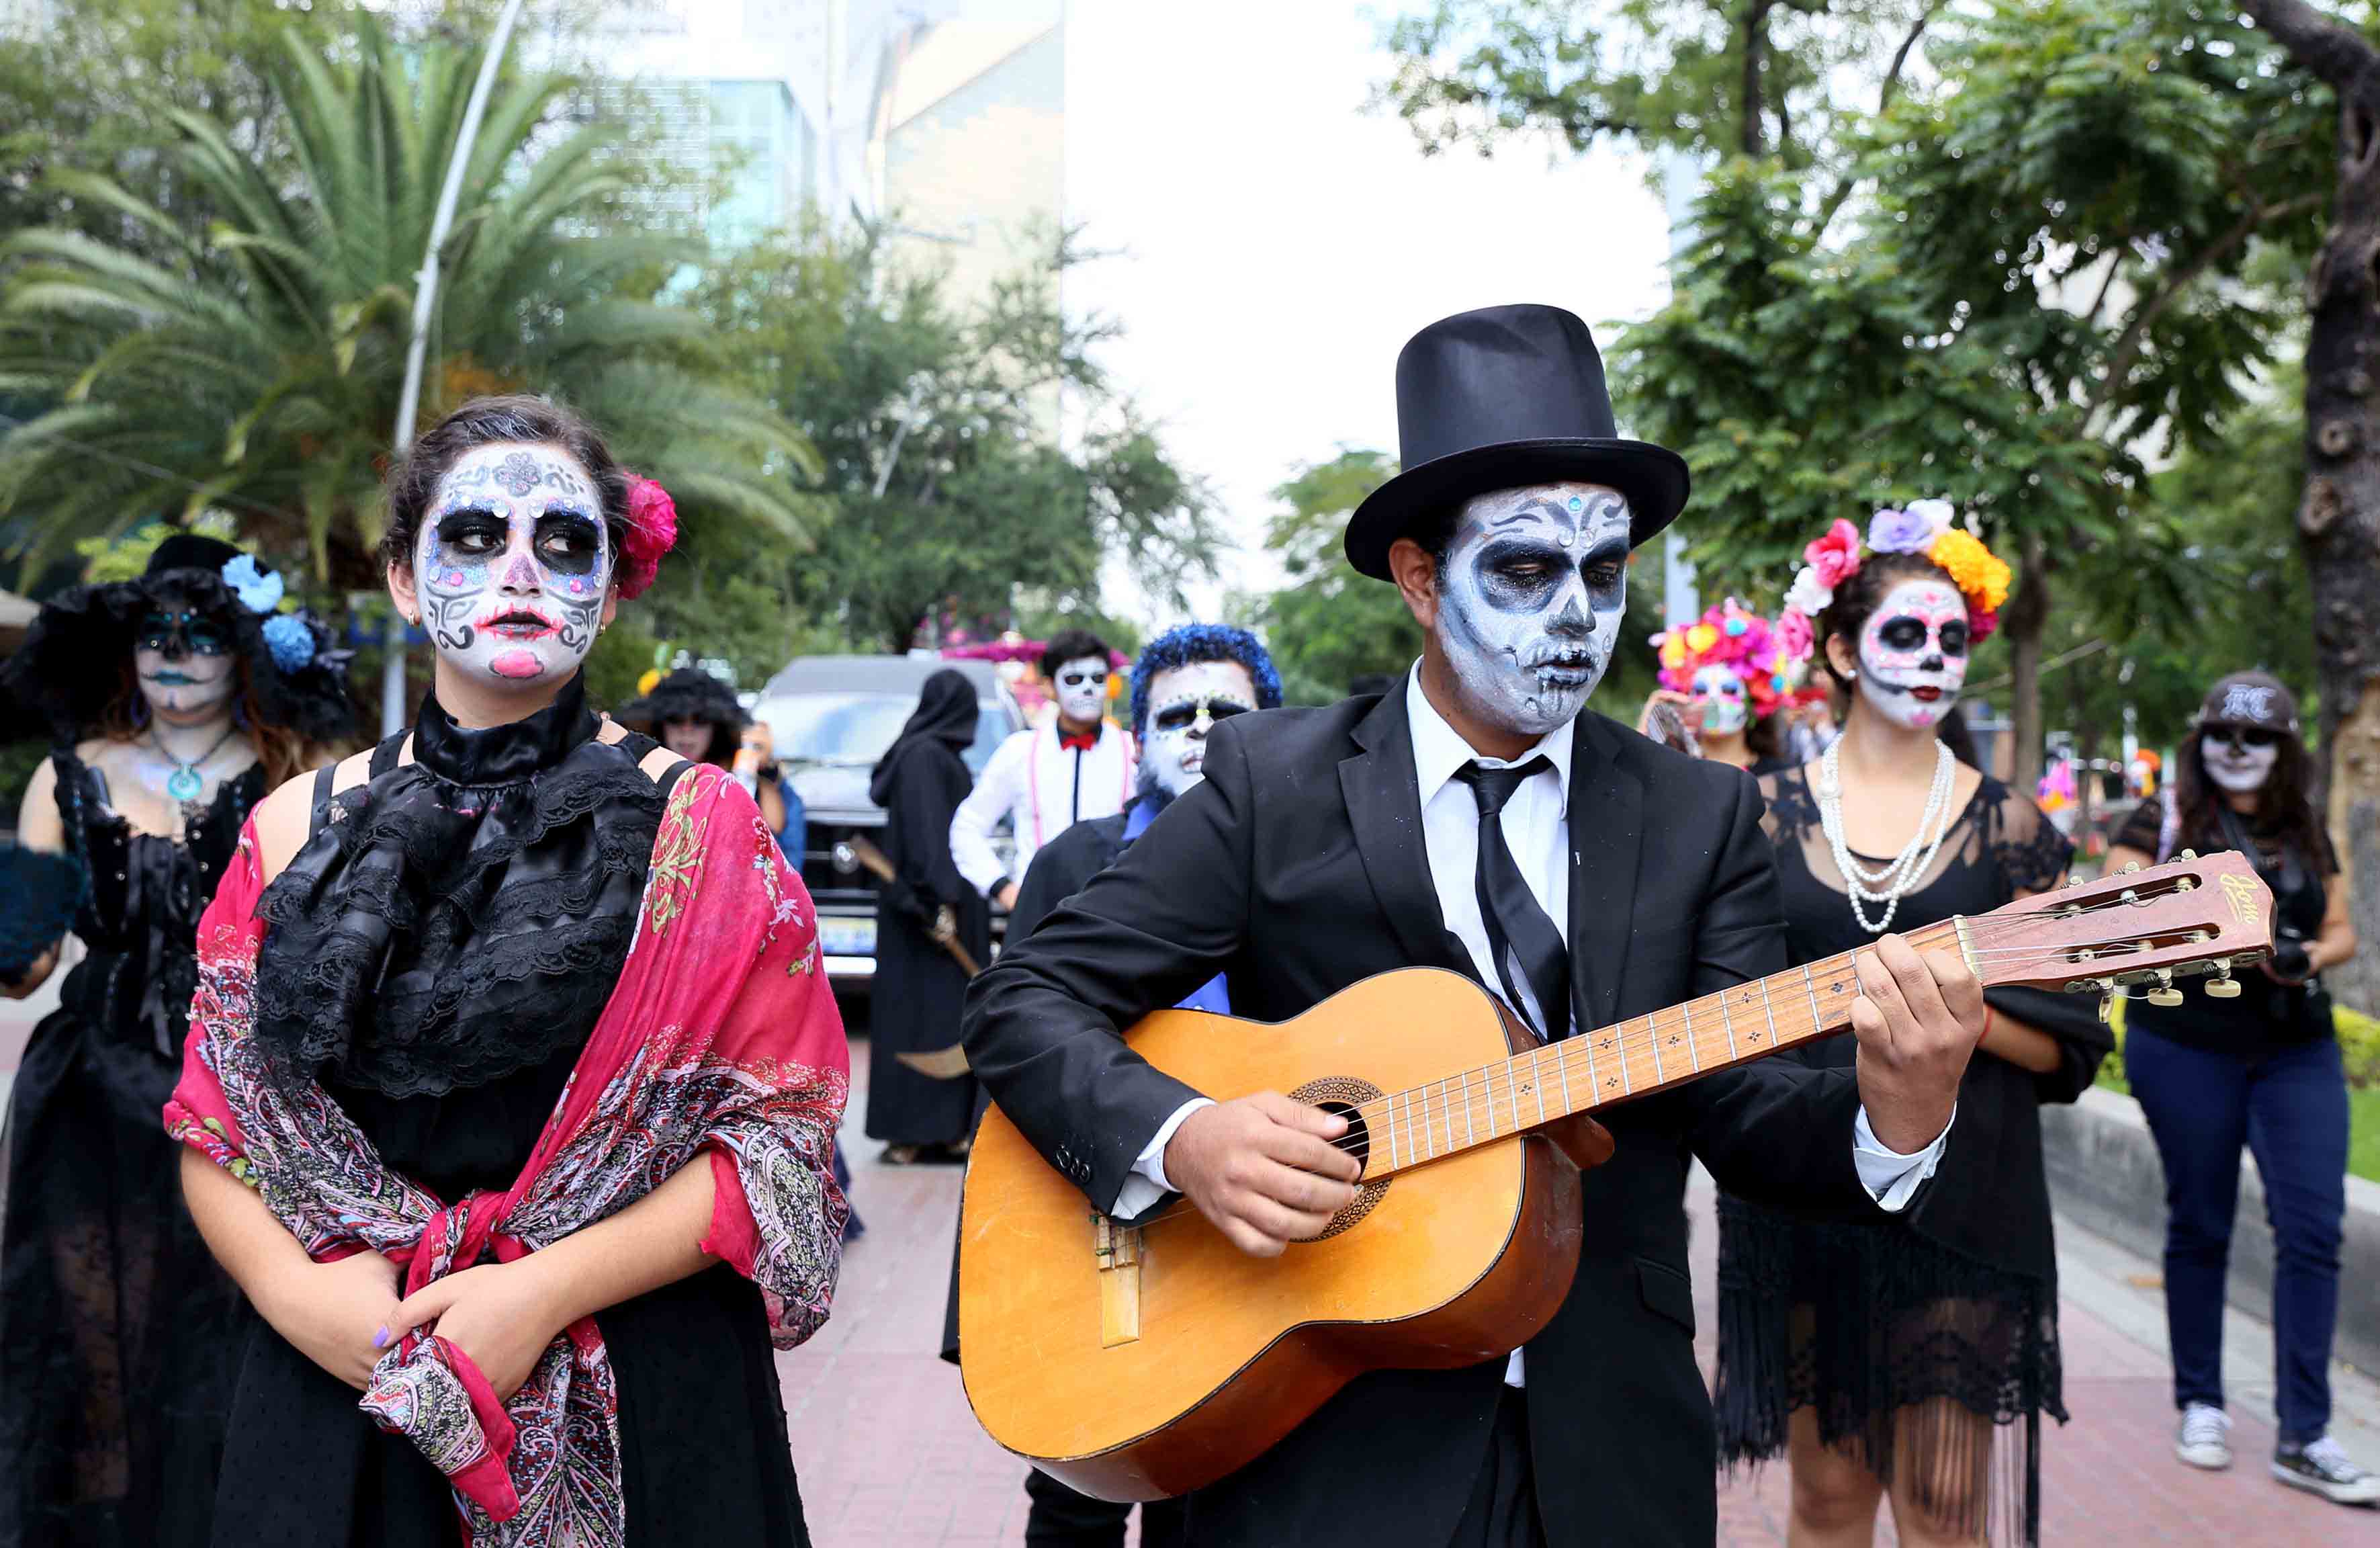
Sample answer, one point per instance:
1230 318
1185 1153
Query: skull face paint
1529 599
1727 704
513 565
1082 687
1913 652
2239 759
1184 703
184 661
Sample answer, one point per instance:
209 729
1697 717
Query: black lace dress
116 1325
1859 1319
439 952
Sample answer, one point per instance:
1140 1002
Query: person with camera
2260 1067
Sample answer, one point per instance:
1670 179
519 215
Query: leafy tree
2016 275
255 365
1328 625
937 425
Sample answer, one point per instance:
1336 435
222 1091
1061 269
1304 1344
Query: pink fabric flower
1836 556
1795 639
652 531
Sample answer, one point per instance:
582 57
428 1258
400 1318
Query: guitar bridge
1117 1248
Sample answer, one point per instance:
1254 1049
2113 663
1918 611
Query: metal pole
425 301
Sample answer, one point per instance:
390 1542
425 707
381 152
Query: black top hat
1497 398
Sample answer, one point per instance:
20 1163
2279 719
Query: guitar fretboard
1613 1064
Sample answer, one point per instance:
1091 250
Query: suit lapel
1383 799
1607 829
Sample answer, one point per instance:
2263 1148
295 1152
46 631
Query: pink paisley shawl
722 1036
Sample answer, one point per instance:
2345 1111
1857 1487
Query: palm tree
257 369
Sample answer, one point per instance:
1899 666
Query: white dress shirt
1536 822
1044 789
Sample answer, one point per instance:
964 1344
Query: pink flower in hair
1795 639
652 531
1836 556
1981 622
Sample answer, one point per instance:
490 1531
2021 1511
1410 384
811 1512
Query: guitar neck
1627 1059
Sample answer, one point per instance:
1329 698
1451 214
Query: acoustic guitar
1140 1361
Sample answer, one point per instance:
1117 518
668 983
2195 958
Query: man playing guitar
1472 819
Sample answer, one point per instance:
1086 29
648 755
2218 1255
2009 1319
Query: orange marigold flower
1974 568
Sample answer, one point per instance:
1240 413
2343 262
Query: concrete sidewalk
890 1457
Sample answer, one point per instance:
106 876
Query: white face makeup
1184 705
2234 761
690 739
513 565
1913 652
1082 687
184 661
1529 600
1727 704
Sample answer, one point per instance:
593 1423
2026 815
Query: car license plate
846 937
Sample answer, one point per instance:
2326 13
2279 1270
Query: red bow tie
1085 742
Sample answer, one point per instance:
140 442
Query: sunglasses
1183 715
2242 737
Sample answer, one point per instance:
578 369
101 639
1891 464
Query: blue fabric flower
258 589
286 636
1899 533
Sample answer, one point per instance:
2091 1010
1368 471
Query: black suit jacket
1298 868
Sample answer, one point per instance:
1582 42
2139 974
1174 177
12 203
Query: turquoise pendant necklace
185 783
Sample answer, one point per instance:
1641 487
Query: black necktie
1518 933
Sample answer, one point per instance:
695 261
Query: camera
2290 957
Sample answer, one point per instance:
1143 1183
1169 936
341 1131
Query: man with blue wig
1185 681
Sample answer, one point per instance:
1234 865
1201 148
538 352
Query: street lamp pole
425 301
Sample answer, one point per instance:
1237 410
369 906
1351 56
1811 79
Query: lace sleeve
2144 829
1792 810
2031 854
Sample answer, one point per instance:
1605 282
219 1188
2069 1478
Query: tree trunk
2338 524
2026 619
2338 519
1751 133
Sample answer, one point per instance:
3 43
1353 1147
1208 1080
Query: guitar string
1433 1102
1437 1104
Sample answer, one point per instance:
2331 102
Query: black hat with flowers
71 668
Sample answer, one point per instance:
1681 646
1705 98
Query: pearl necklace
1899 877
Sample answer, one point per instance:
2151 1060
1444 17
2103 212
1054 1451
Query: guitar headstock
2197 914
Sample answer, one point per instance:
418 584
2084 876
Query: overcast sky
1279 244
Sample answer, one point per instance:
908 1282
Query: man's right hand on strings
1267 1171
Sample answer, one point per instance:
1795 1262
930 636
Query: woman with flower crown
177 699
1909 1355
1730 677
512 1076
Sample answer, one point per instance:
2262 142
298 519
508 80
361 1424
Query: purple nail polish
379 1339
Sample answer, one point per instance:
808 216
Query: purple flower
1899 533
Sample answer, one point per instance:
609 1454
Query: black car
831 718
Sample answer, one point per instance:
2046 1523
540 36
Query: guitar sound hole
1358 1141
1340 1094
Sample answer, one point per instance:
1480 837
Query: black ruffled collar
464 916
505 754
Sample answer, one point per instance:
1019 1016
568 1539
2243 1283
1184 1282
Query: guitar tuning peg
2223 986
2188 855
2106 1007
2165 994
2074 881
2130 866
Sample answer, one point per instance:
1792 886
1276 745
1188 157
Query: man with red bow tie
1046 780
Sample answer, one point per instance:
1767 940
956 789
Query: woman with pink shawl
512 1077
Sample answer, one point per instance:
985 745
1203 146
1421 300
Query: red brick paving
890 1457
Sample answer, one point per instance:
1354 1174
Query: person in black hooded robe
920 783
